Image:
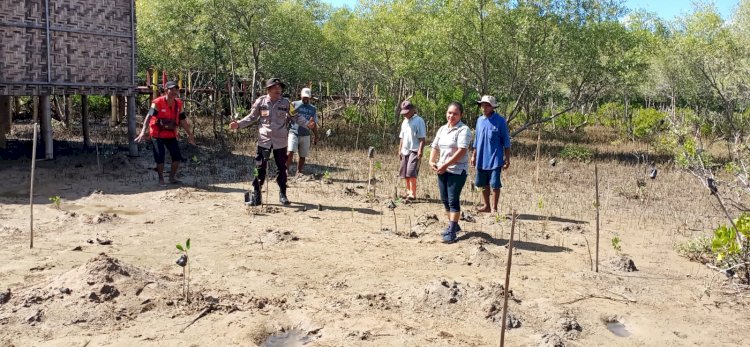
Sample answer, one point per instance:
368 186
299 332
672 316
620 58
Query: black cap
274 81
171 84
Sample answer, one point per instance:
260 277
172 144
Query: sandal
175 182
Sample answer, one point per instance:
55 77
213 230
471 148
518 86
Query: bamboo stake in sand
31 188
507 278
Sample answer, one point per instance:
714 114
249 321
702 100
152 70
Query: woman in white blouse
449 159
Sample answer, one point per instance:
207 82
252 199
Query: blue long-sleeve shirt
492 138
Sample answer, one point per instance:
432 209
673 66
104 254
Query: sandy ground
349 275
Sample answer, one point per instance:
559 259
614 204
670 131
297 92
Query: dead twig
203 313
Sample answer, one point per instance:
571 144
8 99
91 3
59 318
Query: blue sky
666 9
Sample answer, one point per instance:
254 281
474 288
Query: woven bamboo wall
91 47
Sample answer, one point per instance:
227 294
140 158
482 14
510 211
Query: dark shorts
161 146
409 165
490 178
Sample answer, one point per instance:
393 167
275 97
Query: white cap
306 93
488 99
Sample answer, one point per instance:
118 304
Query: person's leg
455 186
291 148
442 180
496 184
158 148
443 189
279 156
483 181
261 161
174 152
303 152
289 159
449 235
402 172
412 170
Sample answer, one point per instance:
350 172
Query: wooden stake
31 187
507 278
596 178
538 152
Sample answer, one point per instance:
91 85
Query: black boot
255 200
282 199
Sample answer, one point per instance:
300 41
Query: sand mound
623 263
480 256
273 237
180 194
100 292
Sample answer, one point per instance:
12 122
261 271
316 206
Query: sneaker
283 200
450 237
448 230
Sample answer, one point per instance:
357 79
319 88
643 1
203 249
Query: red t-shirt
163 111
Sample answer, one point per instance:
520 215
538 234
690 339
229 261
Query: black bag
166 124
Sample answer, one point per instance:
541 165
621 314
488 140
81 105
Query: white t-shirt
412 130
448 140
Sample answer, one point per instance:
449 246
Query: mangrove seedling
616 244
183 262
55 201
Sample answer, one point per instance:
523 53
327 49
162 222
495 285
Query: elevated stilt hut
67 47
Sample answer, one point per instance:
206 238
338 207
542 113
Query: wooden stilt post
46 113
31 187
66 110
132 146
6 118
85 121
113 110
35 109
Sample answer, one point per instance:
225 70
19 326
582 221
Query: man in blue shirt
299 136
491 152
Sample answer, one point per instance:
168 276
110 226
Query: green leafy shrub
732 248
697 249
648 121
576 152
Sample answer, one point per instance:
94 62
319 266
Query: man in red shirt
163 120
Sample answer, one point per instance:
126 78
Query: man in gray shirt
273 115
299 136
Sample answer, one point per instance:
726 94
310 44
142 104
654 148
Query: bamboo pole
31 187
507 278
596 178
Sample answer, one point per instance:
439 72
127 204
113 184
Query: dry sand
346 275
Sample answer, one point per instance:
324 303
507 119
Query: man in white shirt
413 134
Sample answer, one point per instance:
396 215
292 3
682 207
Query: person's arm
506 160
421 135
435 152
463 146
434 156
185 125
452 160
506 147
473 156
144 134
400 145
315 128
251 117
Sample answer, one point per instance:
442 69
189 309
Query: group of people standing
287 127
449 157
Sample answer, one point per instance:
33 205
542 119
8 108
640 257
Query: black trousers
261 162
